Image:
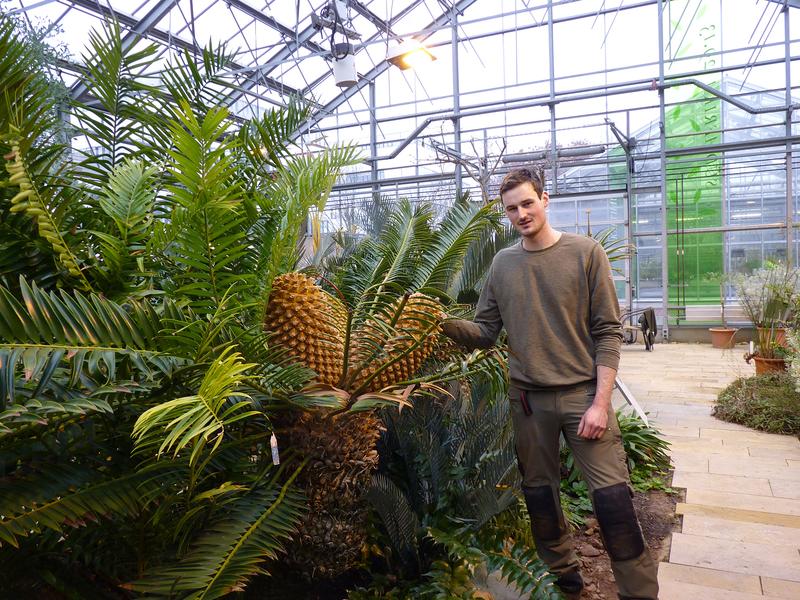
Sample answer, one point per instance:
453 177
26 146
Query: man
555 296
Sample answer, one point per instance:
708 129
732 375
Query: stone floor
740 538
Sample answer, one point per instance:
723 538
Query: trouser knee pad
545 512
618 524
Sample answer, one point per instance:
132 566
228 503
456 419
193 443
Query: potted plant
768 296
721 337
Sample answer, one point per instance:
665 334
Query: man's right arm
483 330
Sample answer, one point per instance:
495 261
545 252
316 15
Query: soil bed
656 510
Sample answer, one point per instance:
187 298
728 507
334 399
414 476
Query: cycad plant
371 332
137 386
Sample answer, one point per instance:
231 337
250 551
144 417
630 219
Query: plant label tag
273 444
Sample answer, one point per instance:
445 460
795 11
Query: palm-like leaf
112 122
303 182
197 420
63 496
234 548
128 200
205 238
48 330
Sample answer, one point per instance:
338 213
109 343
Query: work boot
570 582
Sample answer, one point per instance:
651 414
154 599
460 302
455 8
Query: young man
555 296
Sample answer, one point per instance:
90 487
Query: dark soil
656 510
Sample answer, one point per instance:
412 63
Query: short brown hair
534 176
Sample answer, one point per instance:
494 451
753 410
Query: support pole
456 99
789 175
663 177
373 139
552 104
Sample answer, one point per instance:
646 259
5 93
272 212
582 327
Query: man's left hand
593 423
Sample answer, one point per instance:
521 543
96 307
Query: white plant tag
273 444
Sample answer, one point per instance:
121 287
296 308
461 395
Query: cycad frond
463 225
128 201
234 548
32 199
398 518
112 123
197 420
205 239
60 496
475 264
302 183
265 141
47 330
197 83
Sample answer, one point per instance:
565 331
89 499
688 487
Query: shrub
765 402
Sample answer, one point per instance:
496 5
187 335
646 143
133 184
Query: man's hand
593 423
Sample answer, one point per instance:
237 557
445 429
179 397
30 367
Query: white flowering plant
769 296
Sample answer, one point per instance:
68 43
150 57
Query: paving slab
783 488
780 588
750 437
678 590
764 467
721 483
724 580
770 504
740 531
782 452
779 562
738 514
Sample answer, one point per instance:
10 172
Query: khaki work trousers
604 467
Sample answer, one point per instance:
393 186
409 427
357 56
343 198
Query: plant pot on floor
722 337
768 365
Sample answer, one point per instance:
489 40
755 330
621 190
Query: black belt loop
523 399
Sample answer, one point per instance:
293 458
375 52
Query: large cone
309 323
415 326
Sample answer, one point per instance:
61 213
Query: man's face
526 209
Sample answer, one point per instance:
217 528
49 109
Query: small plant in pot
769 296
721 337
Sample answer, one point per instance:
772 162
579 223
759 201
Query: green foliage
767 402
136 383
448 472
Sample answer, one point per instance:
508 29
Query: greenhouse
425 299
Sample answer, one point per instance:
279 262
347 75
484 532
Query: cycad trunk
342 459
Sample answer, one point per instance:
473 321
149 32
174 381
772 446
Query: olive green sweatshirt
559 308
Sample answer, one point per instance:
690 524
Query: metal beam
790 3
267 20
146 29
331 106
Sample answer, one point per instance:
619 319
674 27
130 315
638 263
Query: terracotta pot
769 365
722 337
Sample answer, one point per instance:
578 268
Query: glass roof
509 90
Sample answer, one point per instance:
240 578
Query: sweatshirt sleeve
483 330
605 327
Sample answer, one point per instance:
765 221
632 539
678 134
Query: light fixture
344 66
409 54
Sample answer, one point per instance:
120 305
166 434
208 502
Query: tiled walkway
741 519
